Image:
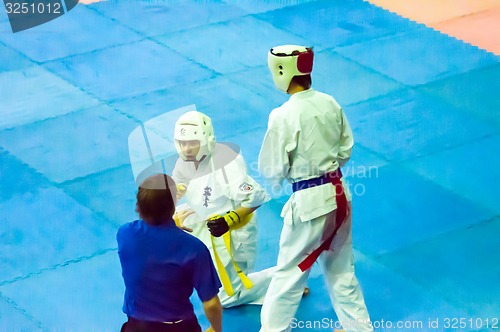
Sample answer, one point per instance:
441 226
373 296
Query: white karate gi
307 137
209 193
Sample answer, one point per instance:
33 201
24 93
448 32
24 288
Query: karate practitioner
222 199
307 141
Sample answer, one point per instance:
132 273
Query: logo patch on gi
207 192
246 187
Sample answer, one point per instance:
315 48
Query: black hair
304 81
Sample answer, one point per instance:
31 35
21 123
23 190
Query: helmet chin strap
197 162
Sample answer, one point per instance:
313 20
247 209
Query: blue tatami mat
461 266
116 184
4 20
257 80
18 178
79 295
130 69
59 147
12 60
476 177
391 200
11 315
393 298
423 107
363 162
475 93
230 112
218 54
336 23
408 58
34 94
79 31
351 83
406 124
50 229
152 18
252 6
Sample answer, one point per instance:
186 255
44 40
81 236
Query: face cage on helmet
202 152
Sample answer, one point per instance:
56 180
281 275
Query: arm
213 311
244 211
274 161
207 284
246 194
220 225
346 141
251 194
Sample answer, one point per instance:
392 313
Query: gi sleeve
251 193
346 140
205 278
274 161
243 189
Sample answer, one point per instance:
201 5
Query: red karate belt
340 213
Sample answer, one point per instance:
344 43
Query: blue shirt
160 266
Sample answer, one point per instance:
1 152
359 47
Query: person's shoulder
193 248
326 96
322 94
192 242
282 108
279 114
127 228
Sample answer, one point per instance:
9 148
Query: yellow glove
181 190
232 219
179 219
218 225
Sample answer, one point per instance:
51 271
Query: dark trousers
136 325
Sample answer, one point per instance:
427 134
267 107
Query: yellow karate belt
224 277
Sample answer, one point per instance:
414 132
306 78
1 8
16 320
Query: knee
345 283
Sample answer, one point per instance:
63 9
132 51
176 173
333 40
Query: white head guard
287 61
195 126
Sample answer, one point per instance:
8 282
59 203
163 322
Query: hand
179 218
181 190
217 225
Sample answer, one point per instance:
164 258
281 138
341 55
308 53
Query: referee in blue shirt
162 264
